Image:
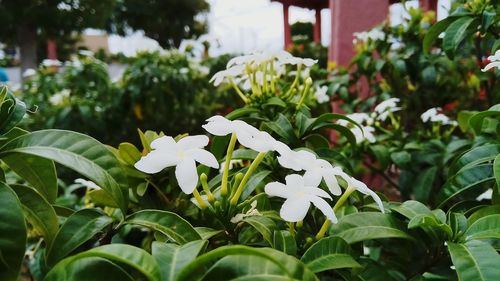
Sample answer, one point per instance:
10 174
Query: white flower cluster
299 190
365 120
58 98
435 115
494 61
321 94
374 35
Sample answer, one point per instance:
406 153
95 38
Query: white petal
315 191
204 157
332 183
218 125
186 175
294 209
191 142
312 177
294 181
324 207
491 65
276 189
155 161
361 187
164 142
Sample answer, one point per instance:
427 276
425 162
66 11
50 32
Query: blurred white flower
247 135
365 133
182 154
299 193
494 61
435 115
87 184
374 35
58 98
50 63
251 212
361 187
364 121
384 108
29 72
231 72
321 95
86 53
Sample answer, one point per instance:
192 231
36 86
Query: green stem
238 91
273 88
305 92
225 174
295 81
291 226
204 184
340 202
249 172
264 77
198 198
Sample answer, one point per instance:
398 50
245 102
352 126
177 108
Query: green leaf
90 268
475 260
368 226
477 120
134 257
283 128
12 111
274 101
423 184
78 152
456 33
329 253
12 234
283 241
263 225
76 230
129 153
485 211
464 181
207 232
475 156
241 112
38 171
168 223
434 32
172 258
486 227
431 224
411 208
496 170
246 263
463 119
257 179
39 213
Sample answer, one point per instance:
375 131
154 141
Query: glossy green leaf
329 253
37 171
90 268
465 181
411 208
486 227
131 256
456 33
39 213
129 153
76 230
207 232
246 263
78 152
265 226
284 241
368 226
431 225
241 112
496 170
475 156
257 179
477 120
167 223
434 32
12 234
475 260
485 211
172 258
12 110
283 128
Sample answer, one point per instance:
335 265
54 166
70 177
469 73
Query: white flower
359 118
315 169
88 184
247 135
49 63
374 35
58 98
321 95
361 187
29 72
282 58
231 164
365 133
384 108
299 194
228 73
86 53
364 121
494 61
435 115
251 212
183 154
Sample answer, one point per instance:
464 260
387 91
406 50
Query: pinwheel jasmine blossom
494 61
299 193
386 107
321 95
182 154
364 121
434 115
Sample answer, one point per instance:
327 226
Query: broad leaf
475 260
12 234
434 32
90 268
265 226
76 230
172 258
456 33
168 223
329 253
486 227
285 242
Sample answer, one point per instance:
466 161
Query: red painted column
429 5
288 31
51 49
317 27
349 17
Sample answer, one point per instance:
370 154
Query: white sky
242 26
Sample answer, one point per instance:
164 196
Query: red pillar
429 5
288 31
317 27
51 49
349 17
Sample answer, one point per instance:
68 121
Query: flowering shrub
285 205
